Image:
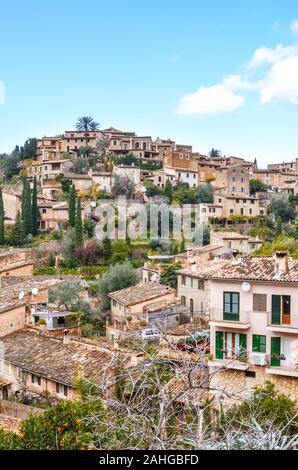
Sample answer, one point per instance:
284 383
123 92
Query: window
183 280
259 343
61 389
191 282
231 211
250 373
44 211
230 345
5 368
36 380
183 300
259 302
281 310
231 306
200 284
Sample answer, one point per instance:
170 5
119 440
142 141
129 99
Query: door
275 351
286 310
191 306
275 309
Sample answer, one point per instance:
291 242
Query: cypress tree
27 208
169 191
1 218
72 207
79 225
18 232
35 211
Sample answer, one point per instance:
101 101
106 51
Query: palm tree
214 153
86 124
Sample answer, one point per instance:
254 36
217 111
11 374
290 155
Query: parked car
150 333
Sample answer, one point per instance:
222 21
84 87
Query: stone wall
232 386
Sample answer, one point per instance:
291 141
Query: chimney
66 337
281 262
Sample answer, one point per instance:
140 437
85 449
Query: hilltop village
79 317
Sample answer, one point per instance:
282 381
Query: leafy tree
168 191
65 183
72 207
9 440
89 227
256 186
123 186
79 224
67 294
17 237
28 151
27 208
63 426
169 275
214 153
281 208
80 165
204 193
120 251
35 210
10 165
107 248
268 406
151 189
1 218
118 276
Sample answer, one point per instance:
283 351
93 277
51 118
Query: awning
4 382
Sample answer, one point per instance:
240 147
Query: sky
220 74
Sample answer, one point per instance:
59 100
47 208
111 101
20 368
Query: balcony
231 364
282 370
287 323
240 321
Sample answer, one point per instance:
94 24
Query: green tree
1 218
168 191
17 237
72 207
86 124
281 208
107 248
35 210
256 186
79 224
123 186
27 208
214 153
89 227
118 276
120 251
169 275
151 189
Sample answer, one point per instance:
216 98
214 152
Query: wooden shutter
259 302
275 351
259 343
262 344
219 343
275 310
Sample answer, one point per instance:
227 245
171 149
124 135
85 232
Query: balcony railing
284 322
241 318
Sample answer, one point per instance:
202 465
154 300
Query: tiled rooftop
50 357
140 293
259 269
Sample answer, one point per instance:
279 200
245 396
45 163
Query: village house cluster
245 303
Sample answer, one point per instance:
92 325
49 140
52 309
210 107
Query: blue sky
218 74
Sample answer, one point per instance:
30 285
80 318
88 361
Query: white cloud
267 55
271 72
210 101
294 26
281 82
2 93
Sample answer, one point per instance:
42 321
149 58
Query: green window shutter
275 351
259 343
275 310
263 344
243 344
219 344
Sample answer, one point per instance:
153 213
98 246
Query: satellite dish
93 204
245 286
21 295
34 291
144 189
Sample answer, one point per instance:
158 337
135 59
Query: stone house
254 326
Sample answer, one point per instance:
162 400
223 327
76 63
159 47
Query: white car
150 333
